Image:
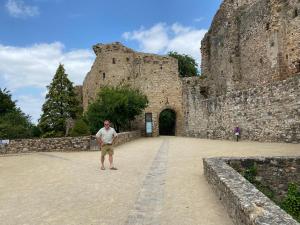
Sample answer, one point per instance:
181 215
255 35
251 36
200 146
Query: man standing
106 137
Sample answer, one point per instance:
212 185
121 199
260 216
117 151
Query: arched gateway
167 122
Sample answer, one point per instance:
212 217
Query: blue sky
37 35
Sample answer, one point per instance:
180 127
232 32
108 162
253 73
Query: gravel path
159 181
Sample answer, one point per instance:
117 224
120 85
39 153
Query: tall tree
13 122
61 104
120 105
187 66
6 103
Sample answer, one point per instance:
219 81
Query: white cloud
162 38
179 29
18 9
27 69
198 19
35 65
151 40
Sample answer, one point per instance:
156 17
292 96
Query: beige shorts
107 149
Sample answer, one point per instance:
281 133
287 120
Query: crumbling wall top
113 47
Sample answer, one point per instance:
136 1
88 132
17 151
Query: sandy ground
70 188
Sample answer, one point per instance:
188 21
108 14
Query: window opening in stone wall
297 65
127 59
103 76
268 26
204 92
113 60
295 13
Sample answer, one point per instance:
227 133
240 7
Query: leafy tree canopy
120 105
80 128
187 66
61 103
13 122
6 103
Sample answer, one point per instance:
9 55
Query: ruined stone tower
251 43
156 76
251 61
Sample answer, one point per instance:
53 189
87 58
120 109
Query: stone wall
251 71
250 75
265 113
251 43
156 76
63 144
243 202
273 172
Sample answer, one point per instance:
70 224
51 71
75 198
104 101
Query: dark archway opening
167 122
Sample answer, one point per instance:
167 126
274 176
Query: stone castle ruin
250 75
156 76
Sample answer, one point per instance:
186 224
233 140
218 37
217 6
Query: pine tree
61 103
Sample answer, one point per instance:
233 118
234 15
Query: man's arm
99 139
115 135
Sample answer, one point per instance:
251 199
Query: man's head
106 124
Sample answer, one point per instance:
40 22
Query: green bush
15 125
80 129
291 203
265 190
120 105
250 173
53 134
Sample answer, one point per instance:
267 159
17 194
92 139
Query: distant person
106 137
237 132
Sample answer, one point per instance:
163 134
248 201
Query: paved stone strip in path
148 206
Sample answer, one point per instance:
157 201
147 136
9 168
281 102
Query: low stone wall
244 203
122 138
85 143
274 172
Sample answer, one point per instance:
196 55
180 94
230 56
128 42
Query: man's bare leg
111 162
102 162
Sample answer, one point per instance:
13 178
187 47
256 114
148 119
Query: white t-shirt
106 135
